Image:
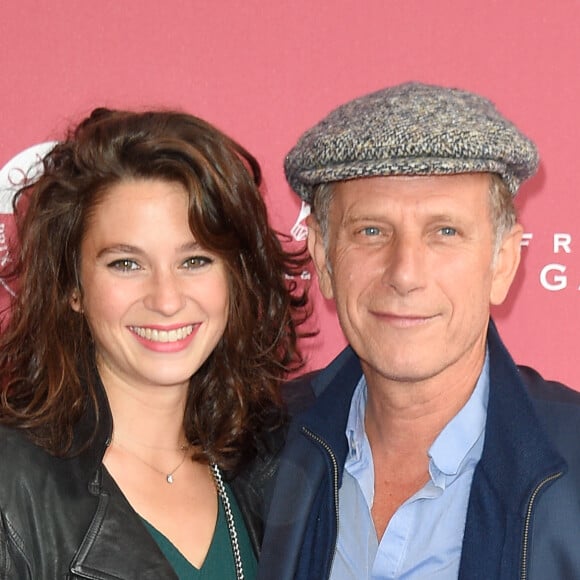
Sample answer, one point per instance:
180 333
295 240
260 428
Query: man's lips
404 320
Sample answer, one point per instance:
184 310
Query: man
426 454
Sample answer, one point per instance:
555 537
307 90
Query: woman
140 366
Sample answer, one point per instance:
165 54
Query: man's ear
75 301
506 264
318 252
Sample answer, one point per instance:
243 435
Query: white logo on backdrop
21 169
299 230
555 276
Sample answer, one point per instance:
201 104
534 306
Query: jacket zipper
527 521
327 448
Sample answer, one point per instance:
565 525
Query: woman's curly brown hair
46 351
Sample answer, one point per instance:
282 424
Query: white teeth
155 335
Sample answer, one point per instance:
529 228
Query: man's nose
405 270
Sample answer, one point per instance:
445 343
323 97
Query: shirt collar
355 425
460 443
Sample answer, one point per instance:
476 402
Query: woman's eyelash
198 261
124 265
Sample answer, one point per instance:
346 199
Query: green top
219 562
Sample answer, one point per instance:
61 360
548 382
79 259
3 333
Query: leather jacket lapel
117 545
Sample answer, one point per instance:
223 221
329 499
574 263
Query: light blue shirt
424 537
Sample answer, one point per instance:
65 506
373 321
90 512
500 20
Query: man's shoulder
558 409
545 391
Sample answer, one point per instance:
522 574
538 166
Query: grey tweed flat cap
410 129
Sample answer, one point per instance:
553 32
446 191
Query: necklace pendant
169 478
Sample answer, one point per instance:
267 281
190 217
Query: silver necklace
169 477
219 482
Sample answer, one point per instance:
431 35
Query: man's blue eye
371 231
447 231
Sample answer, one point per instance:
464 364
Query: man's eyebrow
364 217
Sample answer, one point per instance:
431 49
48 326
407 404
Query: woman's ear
75 301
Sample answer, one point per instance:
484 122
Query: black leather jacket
65 518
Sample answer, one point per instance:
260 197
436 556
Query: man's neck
402 420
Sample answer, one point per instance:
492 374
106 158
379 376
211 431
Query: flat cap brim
411 129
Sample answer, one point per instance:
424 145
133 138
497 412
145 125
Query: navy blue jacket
523 519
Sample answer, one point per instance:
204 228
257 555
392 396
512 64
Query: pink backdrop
265 71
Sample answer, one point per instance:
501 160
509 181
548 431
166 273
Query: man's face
410 263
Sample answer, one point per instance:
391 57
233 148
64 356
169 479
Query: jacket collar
96 428
327 417
114 533
518 459
517 452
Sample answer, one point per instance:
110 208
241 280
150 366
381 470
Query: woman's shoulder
15 443
22 460
37 487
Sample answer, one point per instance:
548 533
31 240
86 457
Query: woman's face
155 301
